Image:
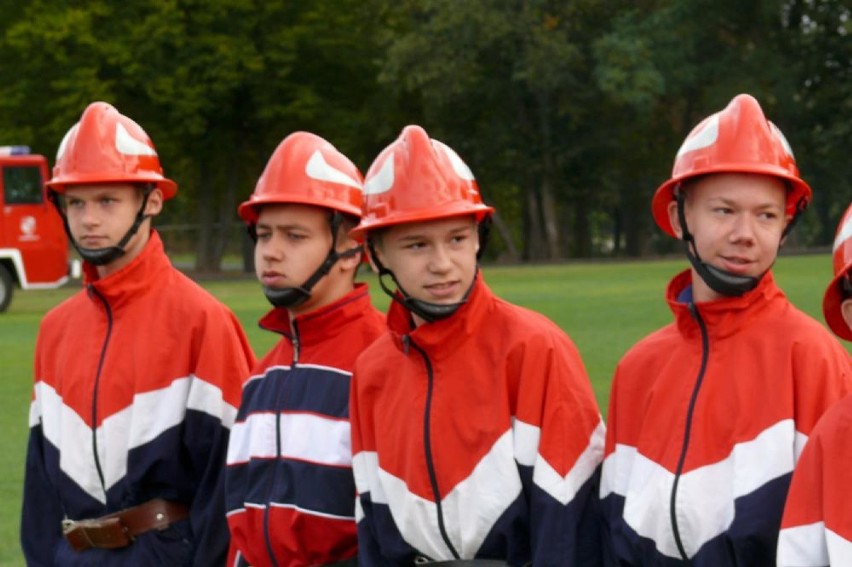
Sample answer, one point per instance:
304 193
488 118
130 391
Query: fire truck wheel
7 287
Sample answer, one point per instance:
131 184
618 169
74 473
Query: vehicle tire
7 288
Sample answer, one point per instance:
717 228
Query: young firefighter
291 494
817 525
137 376
474 427
708 415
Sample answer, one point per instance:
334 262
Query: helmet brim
249 210
60 184
480 211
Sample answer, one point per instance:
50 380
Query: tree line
568 112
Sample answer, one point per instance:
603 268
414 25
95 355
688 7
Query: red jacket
707 417
817 525
137 382
291 495
476 436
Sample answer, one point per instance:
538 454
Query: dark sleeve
41 515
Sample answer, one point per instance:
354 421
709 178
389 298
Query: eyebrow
420 236
732 203
284 226
94 194
292 225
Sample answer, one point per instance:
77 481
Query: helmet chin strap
290 297
108 254
720 281
429 312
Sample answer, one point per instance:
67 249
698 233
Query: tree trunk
227 206
634 230
534 245
204 246
616 231
548 201
549 217
502 229
582 230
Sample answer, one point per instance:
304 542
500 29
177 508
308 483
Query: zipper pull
406 342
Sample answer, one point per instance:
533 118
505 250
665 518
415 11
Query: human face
100 215
433 261
293 240
737 221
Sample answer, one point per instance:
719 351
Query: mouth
737 264
91 241
273 279
444 291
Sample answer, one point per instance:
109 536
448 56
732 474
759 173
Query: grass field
605 307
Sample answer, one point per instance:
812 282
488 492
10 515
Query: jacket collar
442 337
133 279
323 323
727 315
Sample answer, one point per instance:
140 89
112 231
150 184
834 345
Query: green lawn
605 307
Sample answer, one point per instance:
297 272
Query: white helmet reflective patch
63 145
382 181
319 169
843 234
130 146
782 139
459 166
705 136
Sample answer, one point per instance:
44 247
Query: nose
88 215
440 261
743 229
268 250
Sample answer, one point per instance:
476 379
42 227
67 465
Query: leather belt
120 528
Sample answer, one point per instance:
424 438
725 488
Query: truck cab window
23 185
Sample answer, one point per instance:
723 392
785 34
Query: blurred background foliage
568 112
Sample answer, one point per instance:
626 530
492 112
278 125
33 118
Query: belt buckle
104 533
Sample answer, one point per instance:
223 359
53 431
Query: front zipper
94 292
705 352
279 384
427 443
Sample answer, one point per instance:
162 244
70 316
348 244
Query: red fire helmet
107 147
738 139
833 298
416 179
306 169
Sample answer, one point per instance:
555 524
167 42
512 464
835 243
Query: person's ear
154 205
674 219
350 263
370 250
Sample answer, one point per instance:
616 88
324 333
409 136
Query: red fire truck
33 245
